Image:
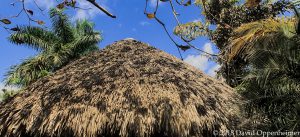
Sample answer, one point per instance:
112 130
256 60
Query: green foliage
235 16
260 54
191 31
57 47
7 93
273 84
262 32
222 17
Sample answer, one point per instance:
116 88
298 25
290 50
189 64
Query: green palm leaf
30 70
57 47
61 25
273 85
35 37
251 35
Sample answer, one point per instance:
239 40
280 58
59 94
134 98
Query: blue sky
130 23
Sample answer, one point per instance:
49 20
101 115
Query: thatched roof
127 89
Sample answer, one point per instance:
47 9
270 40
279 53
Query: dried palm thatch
127 89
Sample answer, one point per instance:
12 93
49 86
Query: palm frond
84 27
35 37
60 46
86 40
61 25
273 85
254 34
29 71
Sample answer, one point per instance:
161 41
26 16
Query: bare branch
169 35
82 8
42 10
24 9
209 55
174 12
145 10
101 8
156 8
6 28
15 16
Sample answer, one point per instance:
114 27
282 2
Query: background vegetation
258 42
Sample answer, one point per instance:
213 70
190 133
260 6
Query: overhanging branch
101 8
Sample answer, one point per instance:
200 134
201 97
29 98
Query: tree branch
169 35
101 8
208 55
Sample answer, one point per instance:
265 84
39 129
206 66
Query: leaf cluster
57 47
273 85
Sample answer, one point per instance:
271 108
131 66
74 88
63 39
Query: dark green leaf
188 3
184 48
15 29
60 6
30 12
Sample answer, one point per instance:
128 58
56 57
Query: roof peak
126 43
129 39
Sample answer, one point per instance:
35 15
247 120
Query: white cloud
198 61
202 62
88 11
208 48
212 70
154 2
197 20
2 86
144 23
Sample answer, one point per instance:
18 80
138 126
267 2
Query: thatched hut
127 89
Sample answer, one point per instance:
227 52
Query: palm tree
272 84
57 47
248 37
